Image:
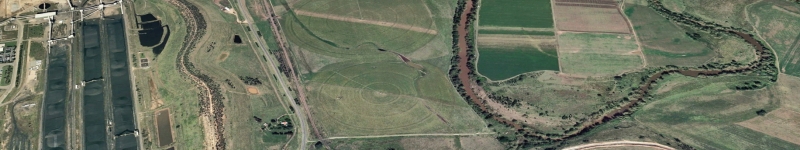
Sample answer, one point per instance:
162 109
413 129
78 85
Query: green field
781 30
409 143
703 113
596 54
516 13
665 43
502 63
38 51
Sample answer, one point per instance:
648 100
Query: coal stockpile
94 118
91 51
53 117
121 95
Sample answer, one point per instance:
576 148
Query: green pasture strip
516 13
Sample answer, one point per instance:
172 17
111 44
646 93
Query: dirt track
372 22
620 144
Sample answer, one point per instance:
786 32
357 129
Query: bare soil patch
372 22
252 90
504 40
223 56
590 19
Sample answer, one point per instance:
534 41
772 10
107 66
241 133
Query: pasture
724 12
387 98
421 142
664 42
780 28
516 13
546 97
353 88
704 112
597 54
580 17
502 63
782 122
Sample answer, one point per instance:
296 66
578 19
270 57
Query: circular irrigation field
344 28
373 98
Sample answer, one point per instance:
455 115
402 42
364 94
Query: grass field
342 39
666 43
355 89
547 97
34 31
38 51
595 54
781 30
704 112
502 63
516 13
5 75
357 99
724 12
408 143
590 19
780 123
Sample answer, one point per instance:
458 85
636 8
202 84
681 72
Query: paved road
262 44
620 144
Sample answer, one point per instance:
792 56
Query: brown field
252 90
782 123
428 143
480 143
600 18
506 40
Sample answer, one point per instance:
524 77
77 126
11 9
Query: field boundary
408 135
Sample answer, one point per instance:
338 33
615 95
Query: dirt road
620 144
372 22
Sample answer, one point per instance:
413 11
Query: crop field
781 30
502 56
705 113
501 63
595 54
664 42
724 12
590 16
516 13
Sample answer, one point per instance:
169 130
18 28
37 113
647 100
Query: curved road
620 144
298 112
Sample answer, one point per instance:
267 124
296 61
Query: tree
761 112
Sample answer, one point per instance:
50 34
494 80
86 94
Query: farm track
761 64
372 22
211 106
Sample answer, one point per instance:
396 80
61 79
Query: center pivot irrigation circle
377 93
